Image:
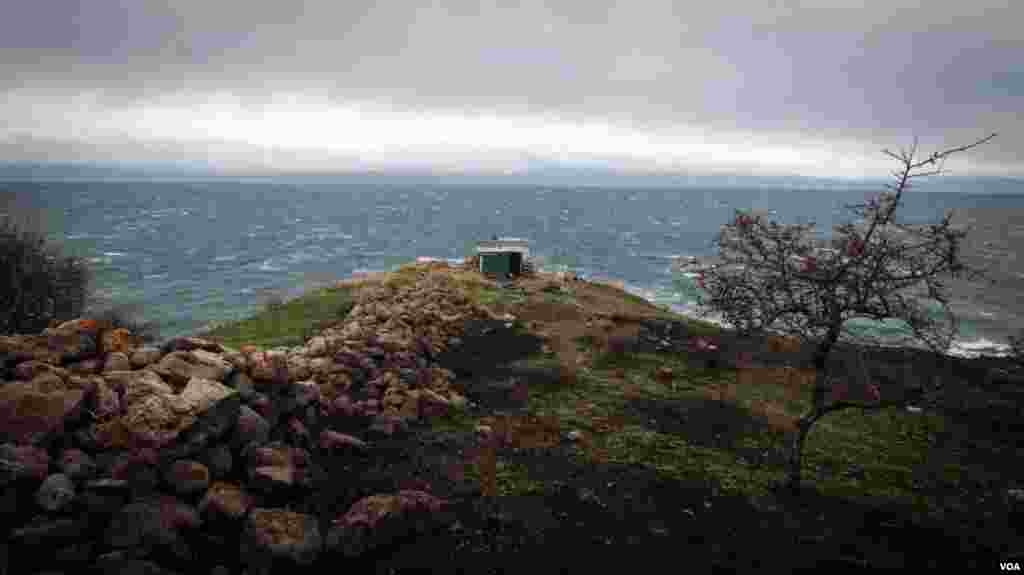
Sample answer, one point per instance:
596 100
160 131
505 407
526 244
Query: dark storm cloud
944 71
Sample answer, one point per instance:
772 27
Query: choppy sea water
191 254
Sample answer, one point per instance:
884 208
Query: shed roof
503 245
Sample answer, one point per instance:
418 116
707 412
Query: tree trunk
807 420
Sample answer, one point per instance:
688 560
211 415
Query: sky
760 87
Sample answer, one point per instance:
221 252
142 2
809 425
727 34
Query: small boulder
385 426
219 461
104 496
281 534
251 427
29 370
23 462
76 464
178 367
56 493
380 519
332 440
226 501
188 477
29 411
117 361
192 343
145 356
151 522
49 532
118 340
270 367
239 381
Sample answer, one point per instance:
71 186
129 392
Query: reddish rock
281 534
226 500
331 440
297 428
187 477
118 340
380 519
343 405
23 462
28 413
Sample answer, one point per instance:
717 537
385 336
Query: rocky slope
116 457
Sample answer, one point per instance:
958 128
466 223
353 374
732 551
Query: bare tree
779 277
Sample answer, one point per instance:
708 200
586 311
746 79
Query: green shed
503 256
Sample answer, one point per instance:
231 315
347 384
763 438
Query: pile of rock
126 457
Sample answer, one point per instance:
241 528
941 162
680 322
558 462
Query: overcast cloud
758 86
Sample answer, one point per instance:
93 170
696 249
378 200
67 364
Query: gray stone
18 462
251 427
56 493
49 532
219 461
188 477
76 464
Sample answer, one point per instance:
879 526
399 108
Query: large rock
30 411
178 367
380 519
156 416
282 535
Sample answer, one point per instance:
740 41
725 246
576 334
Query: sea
193 254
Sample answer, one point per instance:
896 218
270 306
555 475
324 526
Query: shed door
496 264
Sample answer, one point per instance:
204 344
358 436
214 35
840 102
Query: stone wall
120 457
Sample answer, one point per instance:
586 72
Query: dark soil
593 516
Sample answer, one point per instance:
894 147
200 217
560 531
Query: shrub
38 285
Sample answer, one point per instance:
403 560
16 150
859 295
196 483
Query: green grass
895 449
290 324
